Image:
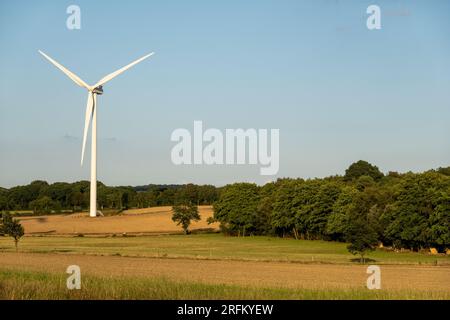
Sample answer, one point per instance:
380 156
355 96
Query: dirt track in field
135 221
262 274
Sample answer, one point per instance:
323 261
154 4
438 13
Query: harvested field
245 273
156 220
205 265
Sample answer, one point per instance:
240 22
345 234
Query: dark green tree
237 209
263 223
361 236
43 205
12 228
3 200
322 198
338 220
444 171
362 168
183 214
287 201
419 217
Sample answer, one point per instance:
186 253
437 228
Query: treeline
401 210
409 210
42 197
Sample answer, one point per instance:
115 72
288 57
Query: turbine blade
70 74
116 73
89 108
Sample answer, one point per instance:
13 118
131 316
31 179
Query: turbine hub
98 90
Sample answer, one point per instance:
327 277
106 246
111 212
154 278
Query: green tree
185 209
361 236
364 182
444 171
362 168
207 194
418 216
301 208
2 225
263 223
338 220
187 194
60 192
12 228
322 198
237 209
43 205
183 214
166 196
3 201
308 209
286 203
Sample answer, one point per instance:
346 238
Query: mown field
168 265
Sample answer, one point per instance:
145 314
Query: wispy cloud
68 137
110 139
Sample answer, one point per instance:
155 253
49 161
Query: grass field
216 246
166 265
21 285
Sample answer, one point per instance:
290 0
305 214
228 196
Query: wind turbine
91 112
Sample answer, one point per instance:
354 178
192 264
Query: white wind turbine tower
91 112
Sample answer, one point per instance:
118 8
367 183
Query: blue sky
337 91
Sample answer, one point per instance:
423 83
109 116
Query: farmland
215 247
134 221
141 254
40 285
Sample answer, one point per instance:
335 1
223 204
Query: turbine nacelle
98 90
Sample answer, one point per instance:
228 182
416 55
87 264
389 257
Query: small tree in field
183 214
12 228
361 236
